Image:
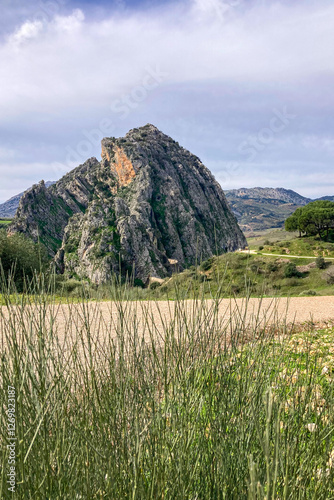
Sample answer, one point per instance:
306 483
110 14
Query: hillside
258 208
148 204
9 207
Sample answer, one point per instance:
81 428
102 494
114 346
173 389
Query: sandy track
104 321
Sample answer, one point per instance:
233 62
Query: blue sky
245 85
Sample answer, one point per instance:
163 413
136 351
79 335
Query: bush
139 283
308 293
70 286
329 276
320 263
291 271
254 268
261 247
155 285
266 242
272 267
207 264
20 258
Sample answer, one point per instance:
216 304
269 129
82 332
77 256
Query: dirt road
100 322
286 256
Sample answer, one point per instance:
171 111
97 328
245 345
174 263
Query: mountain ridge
149 203
9 207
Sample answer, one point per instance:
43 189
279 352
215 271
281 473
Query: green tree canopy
314 218
20 257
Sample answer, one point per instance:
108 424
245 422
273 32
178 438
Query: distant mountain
263 208
8 209
329 198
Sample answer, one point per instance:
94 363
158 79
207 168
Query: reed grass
202 407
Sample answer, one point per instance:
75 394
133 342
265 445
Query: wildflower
311 427
331 459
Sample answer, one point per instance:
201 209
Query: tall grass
152 401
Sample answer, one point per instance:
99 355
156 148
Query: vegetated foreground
203 408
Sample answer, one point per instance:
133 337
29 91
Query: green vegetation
267 237
243 274
209 413
20 258
315 218
5 223
305 246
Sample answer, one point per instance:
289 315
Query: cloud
27 31
226 64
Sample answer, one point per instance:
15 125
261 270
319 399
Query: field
5 222
242 274
177 400
256 238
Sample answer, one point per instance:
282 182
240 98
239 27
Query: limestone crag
148 205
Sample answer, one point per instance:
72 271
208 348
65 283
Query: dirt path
286 256
101 322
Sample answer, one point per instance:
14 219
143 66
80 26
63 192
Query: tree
20 257
314 218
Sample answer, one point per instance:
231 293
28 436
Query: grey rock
9 207
148 206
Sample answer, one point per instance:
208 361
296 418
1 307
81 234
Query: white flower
311 427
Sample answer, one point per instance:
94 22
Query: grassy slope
237 274
281 242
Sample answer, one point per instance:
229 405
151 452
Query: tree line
315 218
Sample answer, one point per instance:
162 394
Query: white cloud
72 63
28 31
69 23
227 64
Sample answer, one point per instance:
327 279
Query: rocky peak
149 205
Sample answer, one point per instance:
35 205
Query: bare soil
99 323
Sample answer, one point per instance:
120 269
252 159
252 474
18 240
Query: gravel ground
101 322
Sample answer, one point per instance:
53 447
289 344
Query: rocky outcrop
8 209
148 206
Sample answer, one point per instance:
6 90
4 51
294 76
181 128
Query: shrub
155 285
138 282
320 263
272 267
329 276
254 268
266 242
207 264
261 247
20 257
291 271
308 293
71 285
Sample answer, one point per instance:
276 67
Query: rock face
148 206
8 209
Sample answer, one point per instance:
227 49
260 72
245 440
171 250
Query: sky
246 85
